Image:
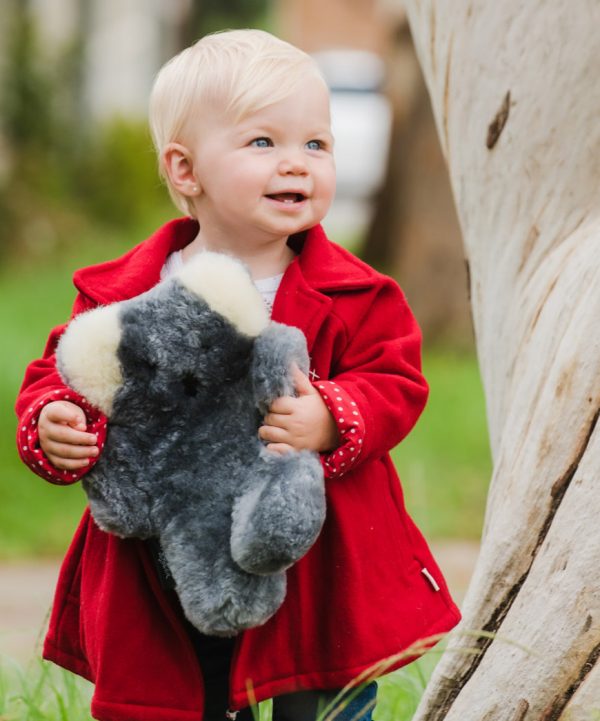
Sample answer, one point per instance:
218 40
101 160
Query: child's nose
293 163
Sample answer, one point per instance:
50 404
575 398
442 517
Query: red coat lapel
297 304
320 269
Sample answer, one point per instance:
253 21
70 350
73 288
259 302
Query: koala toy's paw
276 522
275 349
218 597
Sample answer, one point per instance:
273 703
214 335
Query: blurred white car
361 123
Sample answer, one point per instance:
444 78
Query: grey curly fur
183 462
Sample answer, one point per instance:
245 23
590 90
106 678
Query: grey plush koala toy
185 373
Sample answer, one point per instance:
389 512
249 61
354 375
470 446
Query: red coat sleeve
377 391
42 384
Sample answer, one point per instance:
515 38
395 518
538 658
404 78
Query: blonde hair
237 72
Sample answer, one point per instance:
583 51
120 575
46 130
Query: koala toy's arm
275 349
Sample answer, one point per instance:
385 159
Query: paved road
26 594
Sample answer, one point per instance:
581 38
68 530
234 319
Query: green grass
37 518
44 692
444 463
34 516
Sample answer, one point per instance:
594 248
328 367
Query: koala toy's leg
279 518
217 597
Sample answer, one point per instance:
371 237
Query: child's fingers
68 464
272 434
64 412
68 451
279 420
63 437
280 448
283 405
65 434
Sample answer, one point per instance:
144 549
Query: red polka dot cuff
28 439
351 427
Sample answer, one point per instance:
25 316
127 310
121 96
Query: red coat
368 588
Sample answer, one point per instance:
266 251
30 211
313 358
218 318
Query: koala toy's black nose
190 385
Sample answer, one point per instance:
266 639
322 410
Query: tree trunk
516 97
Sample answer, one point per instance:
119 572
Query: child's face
272 173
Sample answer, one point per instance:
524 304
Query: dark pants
214 655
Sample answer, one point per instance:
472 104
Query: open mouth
287 198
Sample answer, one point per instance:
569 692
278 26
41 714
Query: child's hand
303 422
63 438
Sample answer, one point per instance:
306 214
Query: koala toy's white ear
86 356
225 284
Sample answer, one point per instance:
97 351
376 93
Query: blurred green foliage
208 16
27 90
63 173
118 178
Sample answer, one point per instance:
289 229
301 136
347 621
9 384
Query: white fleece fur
207 273
87 355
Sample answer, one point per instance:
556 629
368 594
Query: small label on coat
430 578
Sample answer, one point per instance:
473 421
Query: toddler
241 125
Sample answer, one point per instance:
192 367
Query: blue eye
262 143
314 145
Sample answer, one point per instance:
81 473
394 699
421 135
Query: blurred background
78 184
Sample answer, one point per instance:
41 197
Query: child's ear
179 168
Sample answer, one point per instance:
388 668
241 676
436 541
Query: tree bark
516 97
